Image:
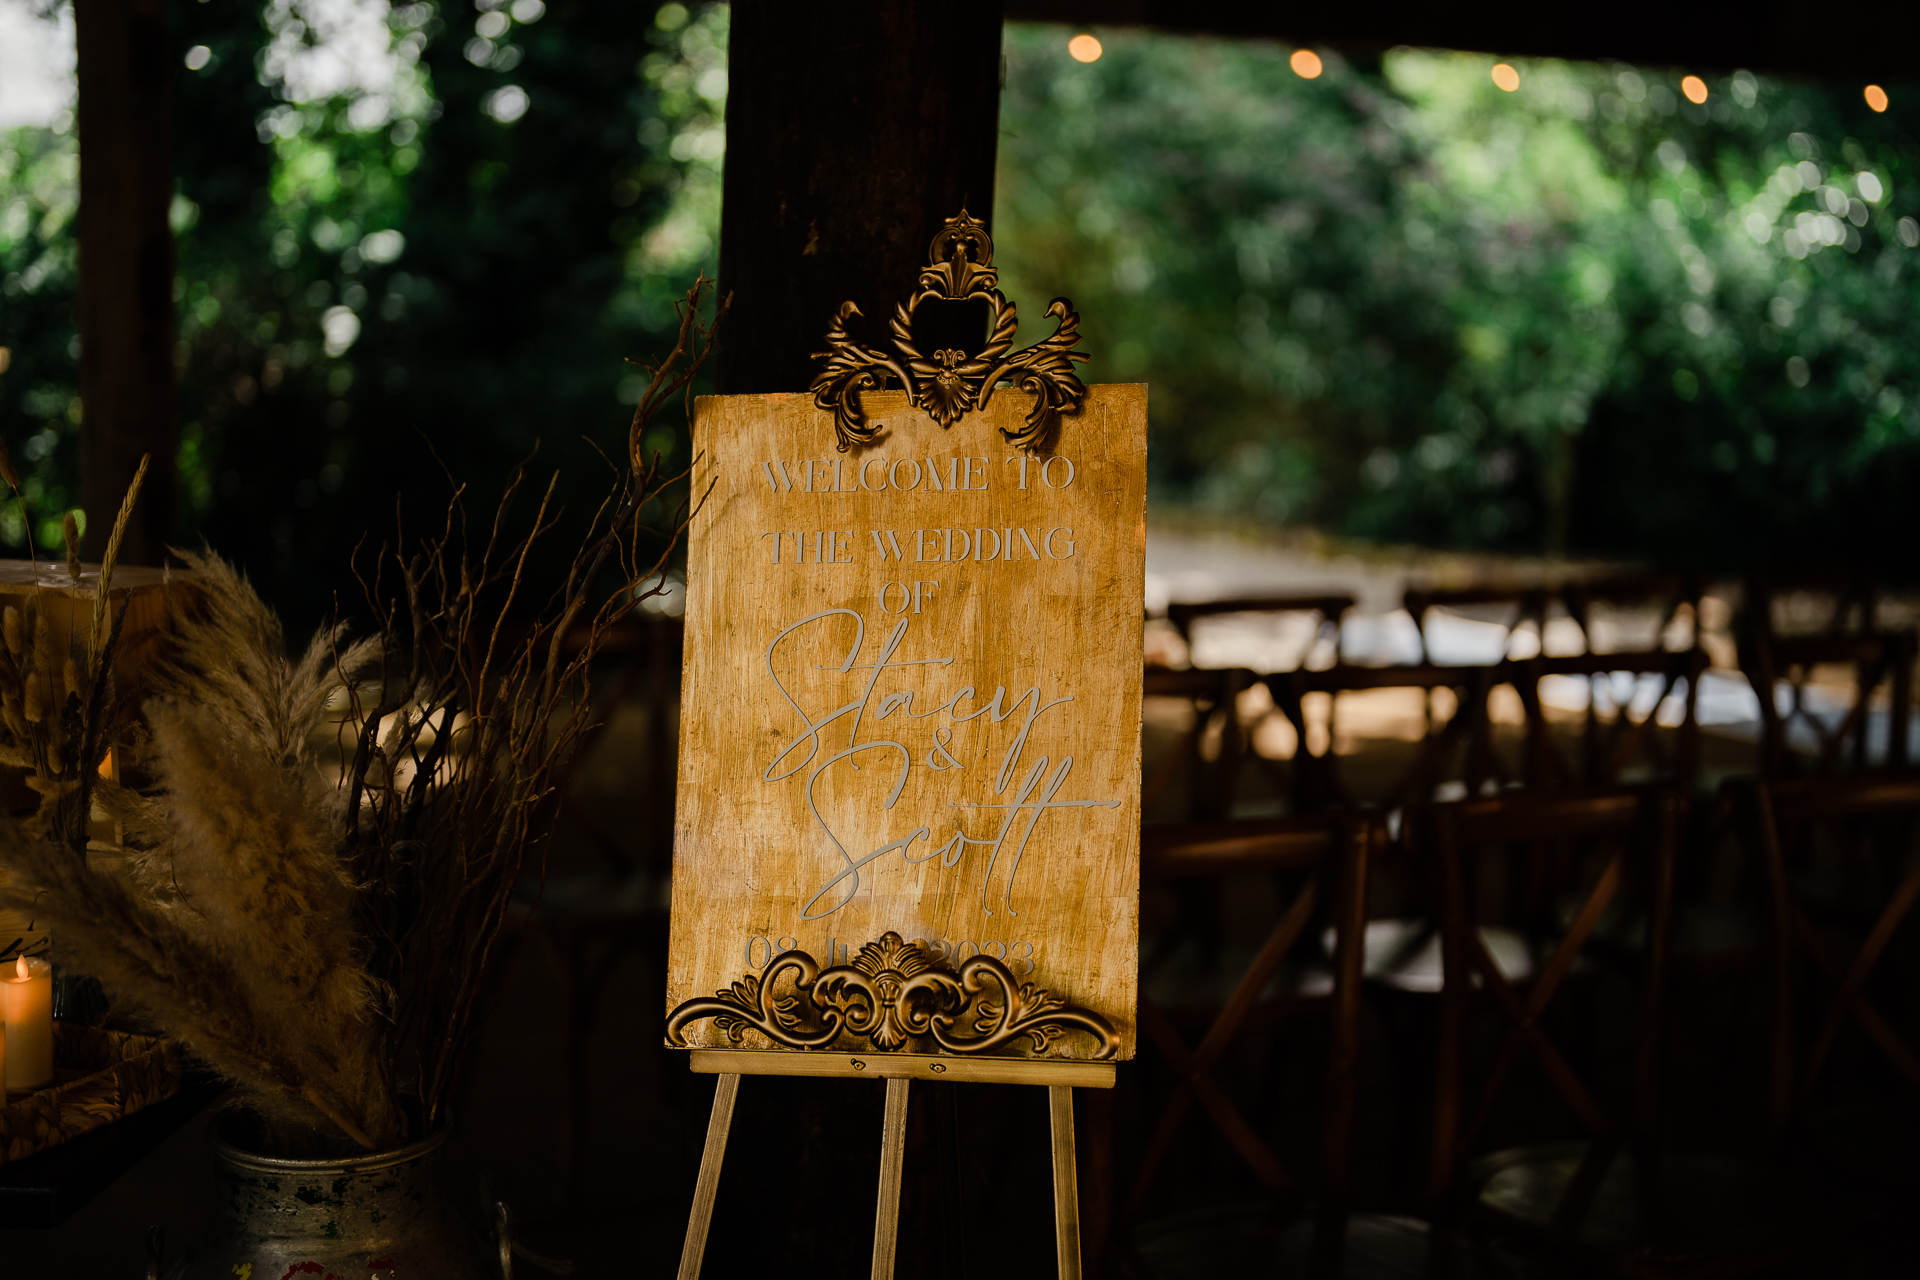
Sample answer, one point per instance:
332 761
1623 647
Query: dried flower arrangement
323 939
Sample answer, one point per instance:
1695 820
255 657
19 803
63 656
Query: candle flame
21 967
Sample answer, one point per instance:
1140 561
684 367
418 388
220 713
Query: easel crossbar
909 1066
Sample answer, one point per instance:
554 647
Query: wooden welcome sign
908 817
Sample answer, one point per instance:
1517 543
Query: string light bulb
1085 48
1876 97
1695 88
1506 77
1306 64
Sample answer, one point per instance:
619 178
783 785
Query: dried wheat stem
70 529
332 1113
113 556
12 477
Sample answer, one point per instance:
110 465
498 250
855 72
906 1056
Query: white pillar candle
26 999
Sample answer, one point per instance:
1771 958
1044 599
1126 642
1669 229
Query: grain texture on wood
912 697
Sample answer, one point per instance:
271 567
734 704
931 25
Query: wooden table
47 1188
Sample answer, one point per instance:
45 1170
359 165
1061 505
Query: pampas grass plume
251 956
11 630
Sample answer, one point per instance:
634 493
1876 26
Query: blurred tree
39 334
1398 302
1393 301
412 241
431 238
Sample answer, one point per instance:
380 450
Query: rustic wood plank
824 800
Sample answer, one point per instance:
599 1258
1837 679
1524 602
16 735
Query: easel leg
893 1150
726 1088
1066 1183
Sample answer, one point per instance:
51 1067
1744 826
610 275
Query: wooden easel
899 1070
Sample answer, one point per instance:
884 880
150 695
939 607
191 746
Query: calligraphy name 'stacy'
1023 798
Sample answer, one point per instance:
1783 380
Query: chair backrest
1329 858
1843 875
1663 599
1809 727
1223 735
1322 613
1615 705
1451 738
1511 607
1837 603
1505 861
1208 750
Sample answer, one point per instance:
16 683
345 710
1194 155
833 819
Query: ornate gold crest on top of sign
891 994
951 383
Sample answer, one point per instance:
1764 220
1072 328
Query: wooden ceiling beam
1874 41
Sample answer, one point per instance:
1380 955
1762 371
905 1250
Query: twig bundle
324 941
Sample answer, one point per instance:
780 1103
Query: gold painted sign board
911 703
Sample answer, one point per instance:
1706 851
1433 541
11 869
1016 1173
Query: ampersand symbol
941 758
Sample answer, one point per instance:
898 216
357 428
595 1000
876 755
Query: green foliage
1399 303
1392 302
39 402
406 251
437 273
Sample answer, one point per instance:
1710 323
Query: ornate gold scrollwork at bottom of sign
891 994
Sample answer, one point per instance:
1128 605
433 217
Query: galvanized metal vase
370 1217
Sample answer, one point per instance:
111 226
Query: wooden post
126 272
854 129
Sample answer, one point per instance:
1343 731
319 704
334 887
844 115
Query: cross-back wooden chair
1213 694
1514 607
1463 736
1664 595
1781 668
1619 1202
1327 612
1596 842
1790 626
1613 739
1327 858
1838 603
1859 902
